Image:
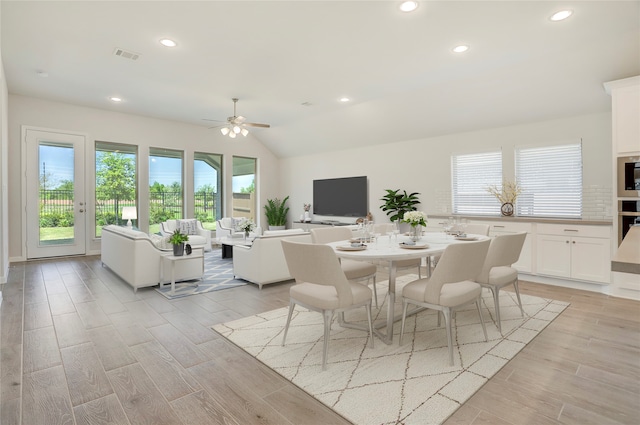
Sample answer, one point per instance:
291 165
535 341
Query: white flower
246 225
415 218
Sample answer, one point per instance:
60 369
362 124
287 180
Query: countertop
529 219
627 259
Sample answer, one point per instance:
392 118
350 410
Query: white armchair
226 227
199 237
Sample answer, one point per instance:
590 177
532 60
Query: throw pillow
161 242
187 227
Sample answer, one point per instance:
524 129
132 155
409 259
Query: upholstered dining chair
356 271
451 285
497 271
477 229
321 285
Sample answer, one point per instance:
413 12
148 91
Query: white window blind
551 179
472 174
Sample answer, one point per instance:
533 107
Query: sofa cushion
161 242
187 227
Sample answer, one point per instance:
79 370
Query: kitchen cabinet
574 252
625 108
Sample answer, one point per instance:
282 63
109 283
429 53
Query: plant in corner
276 211
178 239
397 203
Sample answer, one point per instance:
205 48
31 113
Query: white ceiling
398 68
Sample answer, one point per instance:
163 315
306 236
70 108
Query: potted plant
506 194
177 239
397 203
276 211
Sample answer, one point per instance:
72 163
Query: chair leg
404 317
286 327
326 315
484 328
515 285
368 307
447 319
496 303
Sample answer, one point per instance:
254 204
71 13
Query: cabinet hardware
570 230
498 226
566 241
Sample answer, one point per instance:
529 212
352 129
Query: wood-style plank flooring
78 346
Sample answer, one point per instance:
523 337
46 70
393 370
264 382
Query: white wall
424 165
4 179
131 129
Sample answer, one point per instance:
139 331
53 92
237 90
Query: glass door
55 204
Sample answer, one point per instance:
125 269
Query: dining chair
451 285
498 272
356 271
477 229
322 286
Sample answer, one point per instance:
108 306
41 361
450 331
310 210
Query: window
551 179
244 187
472 174
207 181
116 182
165 186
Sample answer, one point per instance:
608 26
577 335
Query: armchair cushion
199 237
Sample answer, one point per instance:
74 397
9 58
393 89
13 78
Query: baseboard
600 288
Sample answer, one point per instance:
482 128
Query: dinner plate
466 238
416 246
351 248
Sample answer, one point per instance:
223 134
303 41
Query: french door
55 203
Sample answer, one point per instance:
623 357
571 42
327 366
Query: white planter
277 227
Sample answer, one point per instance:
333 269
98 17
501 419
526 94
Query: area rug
392 384
218 275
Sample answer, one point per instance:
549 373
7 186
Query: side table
173 260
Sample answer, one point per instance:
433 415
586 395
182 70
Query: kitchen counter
627 259
528 219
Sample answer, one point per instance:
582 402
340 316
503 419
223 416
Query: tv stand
314 224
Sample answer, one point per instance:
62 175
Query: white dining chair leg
286 327
496 304
515 285
484 328
375 291
447 322
327 315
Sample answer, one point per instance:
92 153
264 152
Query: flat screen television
341 197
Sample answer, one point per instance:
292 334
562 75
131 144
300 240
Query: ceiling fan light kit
237 125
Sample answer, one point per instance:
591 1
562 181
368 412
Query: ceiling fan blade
209 119
255 124
240 119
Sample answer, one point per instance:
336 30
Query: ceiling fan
236 124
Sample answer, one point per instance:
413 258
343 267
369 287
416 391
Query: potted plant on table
397 203
276 211
178 239
416 219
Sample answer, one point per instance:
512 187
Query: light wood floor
79 347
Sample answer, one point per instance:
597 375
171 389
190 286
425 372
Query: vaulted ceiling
290 62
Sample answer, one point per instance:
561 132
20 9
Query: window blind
471 175
551 179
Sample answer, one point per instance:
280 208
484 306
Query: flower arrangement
415 218
507 192
307 207
246 225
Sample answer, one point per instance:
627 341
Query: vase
307 216
178 250
415 233
507 209
246 235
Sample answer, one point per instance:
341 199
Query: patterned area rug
218 275
392 384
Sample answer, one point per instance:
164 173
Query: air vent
126 54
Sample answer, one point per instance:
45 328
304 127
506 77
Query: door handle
81 210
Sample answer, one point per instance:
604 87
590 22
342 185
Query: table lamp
129 213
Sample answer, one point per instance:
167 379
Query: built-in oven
628 215
629 176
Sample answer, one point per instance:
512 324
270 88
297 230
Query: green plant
397 203
177 238
276 211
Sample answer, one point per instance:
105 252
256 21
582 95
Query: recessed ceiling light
167 42
461 48
561 15
115 99
344 99
408 6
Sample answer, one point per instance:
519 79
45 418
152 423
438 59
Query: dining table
392 249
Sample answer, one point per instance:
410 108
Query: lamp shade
129 213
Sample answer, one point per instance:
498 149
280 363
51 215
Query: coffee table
228 244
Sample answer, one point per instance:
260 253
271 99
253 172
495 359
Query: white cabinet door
554 255
591 259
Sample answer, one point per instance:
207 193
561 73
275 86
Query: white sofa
263 262
199 237
134 257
